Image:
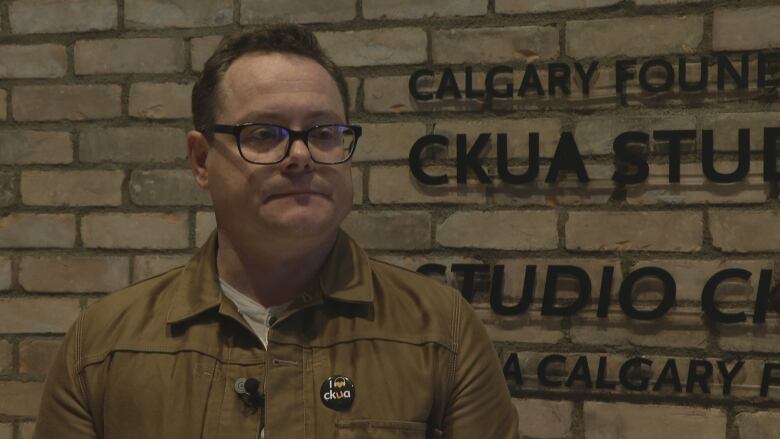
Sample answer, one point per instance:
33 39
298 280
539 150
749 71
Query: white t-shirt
255 314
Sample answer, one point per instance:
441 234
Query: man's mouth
293 194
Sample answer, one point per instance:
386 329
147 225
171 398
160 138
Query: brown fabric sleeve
64 412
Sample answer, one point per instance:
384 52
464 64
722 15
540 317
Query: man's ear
197 153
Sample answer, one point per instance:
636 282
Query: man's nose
299 156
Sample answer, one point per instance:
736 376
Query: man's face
296 197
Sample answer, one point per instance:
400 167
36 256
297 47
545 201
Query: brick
691 275
6 357
205 223
680 328
665 2
27 430
166 188
629 36
695 188
37 315
3 104
399 9
387 141
6 431
761 425
131 55
7 189
146 266
20 399
36 356
375 47
135 230
641 421
408 230
132 145
307 11
517 131
70 102
635 231
33 61
506 230
725 129
72 188
514 7
544 419
357 186
54 16
745 231
596 135
529 327
6 273
352 89
25 147
493 45
388 95
152 14
160 101
74 274
745 28
30 230
567 191
396 185
201 49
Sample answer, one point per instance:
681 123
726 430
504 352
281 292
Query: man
280 325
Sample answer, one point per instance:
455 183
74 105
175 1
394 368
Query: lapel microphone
248 390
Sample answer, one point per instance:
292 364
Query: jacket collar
345 276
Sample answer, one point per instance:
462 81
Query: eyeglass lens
268 143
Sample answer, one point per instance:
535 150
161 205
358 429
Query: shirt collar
345 276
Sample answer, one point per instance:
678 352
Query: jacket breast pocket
376 429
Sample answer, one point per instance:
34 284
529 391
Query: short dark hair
274 38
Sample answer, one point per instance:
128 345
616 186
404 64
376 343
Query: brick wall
95 192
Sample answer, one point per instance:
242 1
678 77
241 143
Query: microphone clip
248 390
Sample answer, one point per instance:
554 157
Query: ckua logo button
337 392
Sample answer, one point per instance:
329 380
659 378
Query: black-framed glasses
268 144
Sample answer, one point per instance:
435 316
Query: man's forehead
277 76
287 69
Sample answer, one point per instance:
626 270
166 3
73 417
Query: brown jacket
160 359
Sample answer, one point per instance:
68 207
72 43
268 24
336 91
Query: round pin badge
337 392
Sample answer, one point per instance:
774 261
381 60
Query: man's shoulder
409 284
417 304
129 313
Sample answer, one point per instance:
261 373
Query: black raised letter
620 146
503 160
583 296
497 290
626 288
541 370
708 296
413 90
415 159
708 158
567 157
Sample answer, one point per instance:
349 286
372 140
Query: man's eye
264 134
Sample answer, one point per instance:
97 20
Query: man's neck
273 273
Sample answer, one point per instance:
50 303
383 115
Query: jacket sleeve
64 413
479 403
